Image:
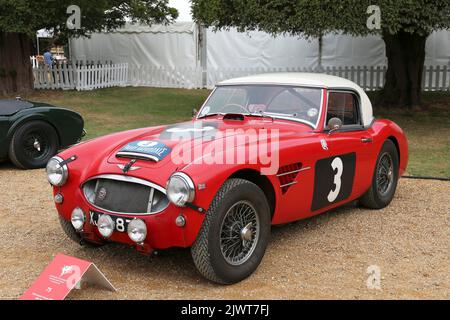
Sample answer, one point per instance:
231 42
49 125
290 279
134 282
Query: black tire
24 152
207 249
75 236
374 198
69 230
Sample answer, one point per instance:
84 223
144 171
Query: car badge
102 194
128 167
324 144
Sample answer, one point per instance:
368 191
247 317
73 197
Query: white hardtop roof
295 78
319 80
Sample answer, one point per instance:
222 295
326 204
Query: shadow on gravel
307 225
6 165
176 263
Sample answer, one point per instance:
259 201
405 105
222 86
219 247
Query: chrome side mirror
194 112
334 125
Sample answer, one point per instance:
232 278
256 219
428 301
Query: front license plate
120 223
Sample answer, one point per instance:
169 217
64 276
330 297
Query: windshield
287 102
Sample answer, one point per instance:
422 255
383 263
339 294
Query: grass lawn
117 109
428 134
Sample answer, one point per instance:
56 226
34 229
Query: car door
340 174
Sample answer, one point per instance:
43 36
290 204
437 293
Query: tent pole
37 43
70 48
203 48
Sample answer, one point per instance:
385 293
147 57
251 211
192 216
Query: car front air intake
125 195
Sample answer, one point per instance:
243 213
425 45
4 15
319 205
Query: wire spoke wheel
36 145
385 174
239 233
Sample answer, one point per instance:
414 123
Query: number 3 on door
333 181
338 165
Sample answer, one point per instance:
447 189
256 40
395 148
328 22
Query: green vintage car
32 133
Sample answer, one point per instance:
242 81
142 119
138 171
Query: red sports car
263 150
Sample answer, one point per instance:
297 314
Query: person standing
48 64
48 58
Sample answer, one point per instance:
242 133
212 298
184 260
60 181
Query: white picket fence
96 76
165 77
80 77
435 78
34 62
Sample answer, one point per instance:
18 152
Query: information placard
64 274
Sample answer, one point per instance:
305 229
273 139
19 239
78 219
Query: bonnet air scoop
144 150
234 116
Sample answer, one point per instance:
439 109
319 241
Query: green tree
405 26
20 20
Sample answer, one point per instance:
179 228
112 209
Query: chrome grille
125 195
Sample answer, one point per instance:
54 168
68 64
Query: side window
343 105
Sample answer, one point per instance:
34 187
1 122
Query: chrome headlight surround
56 174
180 189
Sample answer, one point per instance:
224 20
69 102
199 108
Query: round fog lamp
105 225
77 219
137 230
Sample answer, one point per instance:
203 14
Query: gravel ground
325 257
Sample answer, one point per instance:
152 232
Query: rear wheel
385 178
235 233
33 145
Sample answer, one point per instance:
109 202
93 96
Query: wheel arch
397 146
261 181
20 122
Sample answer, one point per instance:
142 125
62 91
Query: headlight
180 189
137 230
56 174
106 225
77 219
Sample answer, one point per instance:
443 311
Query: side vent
287 175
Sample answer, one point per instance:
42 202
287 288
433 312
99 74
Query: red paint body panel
298 143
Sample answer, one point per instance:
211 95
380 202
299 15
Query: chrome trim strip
322 88
131 180
288 184
136 156
128 179
295 171
150 200
205 103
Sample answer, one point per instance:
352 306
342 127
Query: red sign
62 276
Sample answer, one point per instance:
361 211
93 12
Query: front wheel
385 178
33 145
235 233
75 236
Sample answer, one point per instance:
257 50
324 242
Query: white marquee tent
182 46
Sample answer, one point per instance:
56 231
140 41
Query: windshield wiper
261 114
209 115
